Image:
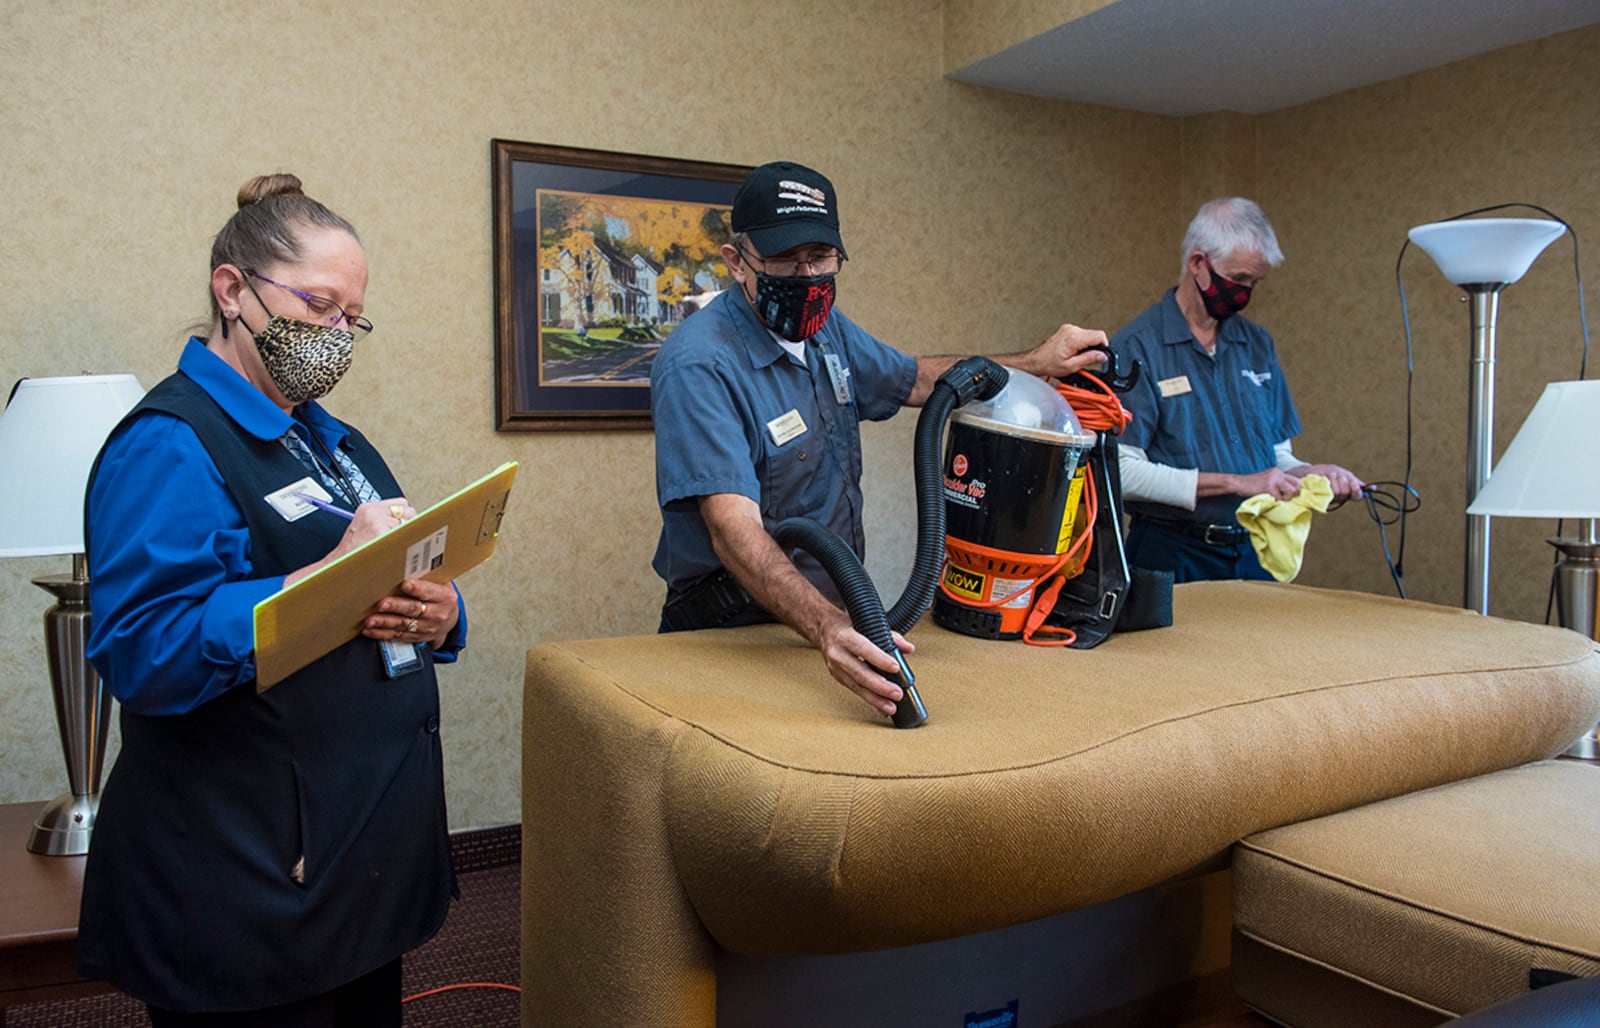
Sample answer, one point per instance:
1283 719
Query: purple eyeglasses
320 306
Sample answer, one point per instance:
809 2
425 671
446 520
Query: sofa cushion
1447 899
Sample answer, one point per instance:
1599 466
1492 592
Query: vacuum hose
973 378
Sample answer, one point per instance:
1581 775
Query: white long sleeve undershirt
1143 479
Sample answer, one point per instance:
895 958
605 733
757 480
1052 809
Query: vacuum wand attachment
860 599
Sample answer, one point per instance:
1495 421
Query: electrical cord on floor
1407 500
459 985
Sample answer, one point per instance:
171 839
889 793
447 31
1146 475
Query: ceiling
1183 57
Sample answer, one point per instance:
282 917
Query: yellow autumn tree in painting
624 261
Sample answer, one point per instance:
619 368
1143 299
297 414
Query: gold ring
397 512
424 611
411 626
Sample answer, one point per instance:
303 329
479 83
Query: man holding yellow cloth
1278 528
1212 416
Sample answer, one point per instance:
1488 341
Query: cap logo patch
807 199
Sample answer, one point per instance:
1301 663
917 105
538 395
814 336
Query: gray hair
1228 224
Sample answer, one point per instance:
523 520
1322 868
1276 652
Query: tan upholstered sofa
708 796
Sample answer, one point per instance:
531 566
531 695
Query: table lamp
1552 470
50 433
1483 256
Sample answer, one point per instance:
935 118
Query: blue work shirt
1220 412
736 413
170 589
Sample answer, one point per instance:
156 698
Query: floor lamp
50 433
1483 256
1552 470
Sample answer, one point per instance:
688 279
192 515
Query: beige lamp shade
50 434
1552 468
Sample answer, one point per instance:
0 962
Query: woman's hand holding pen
369 521
422 612
372 520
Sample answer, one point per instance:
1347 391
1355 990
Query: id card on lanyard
839 376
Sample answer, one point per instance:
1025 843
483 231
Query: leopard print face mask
305 361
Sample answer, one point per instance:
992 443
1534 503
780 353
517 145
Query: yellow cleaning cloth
1278 528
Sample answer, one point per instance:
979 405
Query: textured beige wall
976 220
1343 179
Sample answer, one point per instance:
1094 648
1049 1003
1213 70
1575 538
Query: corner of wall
1217 157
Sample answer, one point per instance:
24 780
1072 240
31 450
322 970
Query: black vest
190 898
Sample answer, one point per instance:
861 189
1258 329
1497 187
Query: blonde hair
265 228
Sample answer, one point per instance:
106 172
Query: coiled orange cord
1098 410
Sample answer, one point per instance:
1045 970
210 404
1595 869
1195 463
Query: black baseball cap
783 205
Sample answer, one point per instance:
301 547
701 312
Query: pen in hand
322 505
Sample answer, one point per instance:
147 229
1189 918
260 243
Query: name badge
839 375
785 427
1175 386
291 507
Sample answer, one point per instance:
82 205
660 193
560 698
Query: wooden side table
38 917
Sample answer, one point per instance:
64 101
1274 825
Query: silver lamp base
1578 608
83 716
62 829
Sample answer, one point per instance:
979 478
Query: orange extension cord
462 985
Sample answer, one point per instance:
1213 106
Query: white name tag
839 375
292 507
788 426
1175 386
785 427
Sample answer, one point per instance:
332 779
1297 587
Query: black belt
716 601
1211 535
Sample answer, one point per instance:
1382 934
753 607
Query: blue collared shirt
735 412
173 604
1219 412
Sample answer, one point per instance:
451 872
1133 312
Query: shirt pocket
790 485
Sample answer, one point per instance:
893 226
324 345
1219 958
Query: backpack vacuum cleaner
1002 525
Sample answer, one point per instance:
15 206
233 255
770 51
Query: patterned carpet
479 942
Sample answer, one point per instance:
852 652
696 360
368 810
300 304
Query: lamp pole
1485 298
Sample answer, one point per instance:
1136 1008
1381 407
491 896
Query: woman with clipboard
261 859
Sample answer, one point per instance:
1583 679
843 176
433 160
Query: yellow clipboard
324 610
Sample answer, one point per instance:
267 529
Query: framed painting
598 256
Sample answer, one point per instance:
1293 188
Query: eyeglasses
321 307
786 267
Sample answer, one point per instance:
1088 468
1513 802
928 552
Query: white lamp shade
1552 468
50 434
1486 251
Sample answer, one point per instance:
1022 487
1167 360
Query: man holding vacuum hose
1212 415
757 401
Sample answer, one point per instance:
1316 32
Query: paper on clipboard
324 610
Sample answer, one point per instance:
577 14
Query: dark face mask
1224 297
795 308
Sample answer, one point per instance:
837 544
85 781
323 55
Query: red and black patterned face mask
796 307
1224 297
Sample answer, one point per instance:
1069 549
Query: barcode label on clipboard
426 554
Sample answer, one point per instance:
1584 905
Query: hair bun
263 186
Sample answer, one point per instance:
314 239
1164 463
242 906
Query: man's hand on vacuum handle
746 549
1068 350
